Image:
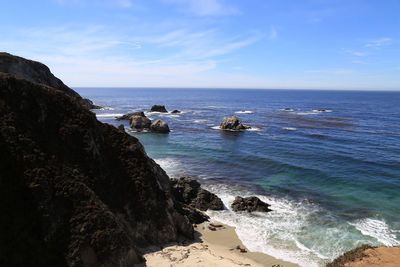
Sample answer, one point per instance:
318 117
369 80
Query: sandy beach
215 245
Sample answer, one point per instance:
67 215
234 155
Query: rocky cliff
38 73
75 191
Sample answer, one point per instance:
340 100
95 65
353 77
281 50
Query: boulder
158 108
128 116
139 123
233 124
175 111
159 126
188 191
121 127
249 204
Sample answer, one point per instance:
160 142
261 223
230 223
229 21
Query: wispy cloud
332 71
205 7
92 54
354 53
379 42
108 3
273 34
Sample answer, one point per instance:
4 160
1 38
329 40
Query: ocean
328 162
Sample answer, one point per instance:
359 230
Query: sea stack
158 108
232 124
159 126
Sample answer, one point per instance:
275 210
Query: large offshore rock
158 108
159 126
233 124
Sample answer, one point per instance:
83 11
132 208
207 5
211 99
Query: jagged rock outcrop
38 73
75 191
158 108
139 123
128 116
188 191
249 204
159 126
233 124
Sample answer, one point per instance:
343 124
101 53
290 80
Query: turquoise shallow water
332 177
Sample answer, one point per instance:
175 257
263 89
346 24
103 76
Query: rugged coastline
79 192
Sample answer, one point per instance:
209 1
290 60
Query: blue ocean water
328 162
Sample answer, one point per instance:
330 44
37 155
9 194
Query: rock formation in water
75 191
139 123
159 126
158 108
37 72
175 111
249 204
188 191
232 124
128 116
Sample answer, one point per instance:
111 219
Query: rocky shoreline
78 192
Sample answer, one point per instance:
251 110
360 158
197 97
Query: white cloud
379 42
273 34
205 7
355 53
108 3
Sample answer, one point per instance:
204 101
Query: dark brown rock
121 127
139 123
158 108
188 191
232 124
37 72
249 204
129 115
75 191
175 111
159 126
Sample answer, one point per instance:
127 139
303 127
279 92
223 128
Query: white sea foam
378 229
106 115
171 166
200 121
289 128
107 108
273 233
244 112
253 129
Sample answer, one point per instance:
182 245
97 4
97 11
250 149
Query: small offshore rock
175 111
232 123
129 115
249 204
158 108
159 126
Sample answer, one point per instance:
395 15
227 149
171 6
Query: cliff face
75 191
37 72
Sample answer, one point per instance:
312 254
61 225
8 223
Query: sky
271 44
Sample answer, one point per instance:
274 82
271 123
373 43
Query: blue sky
310 44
